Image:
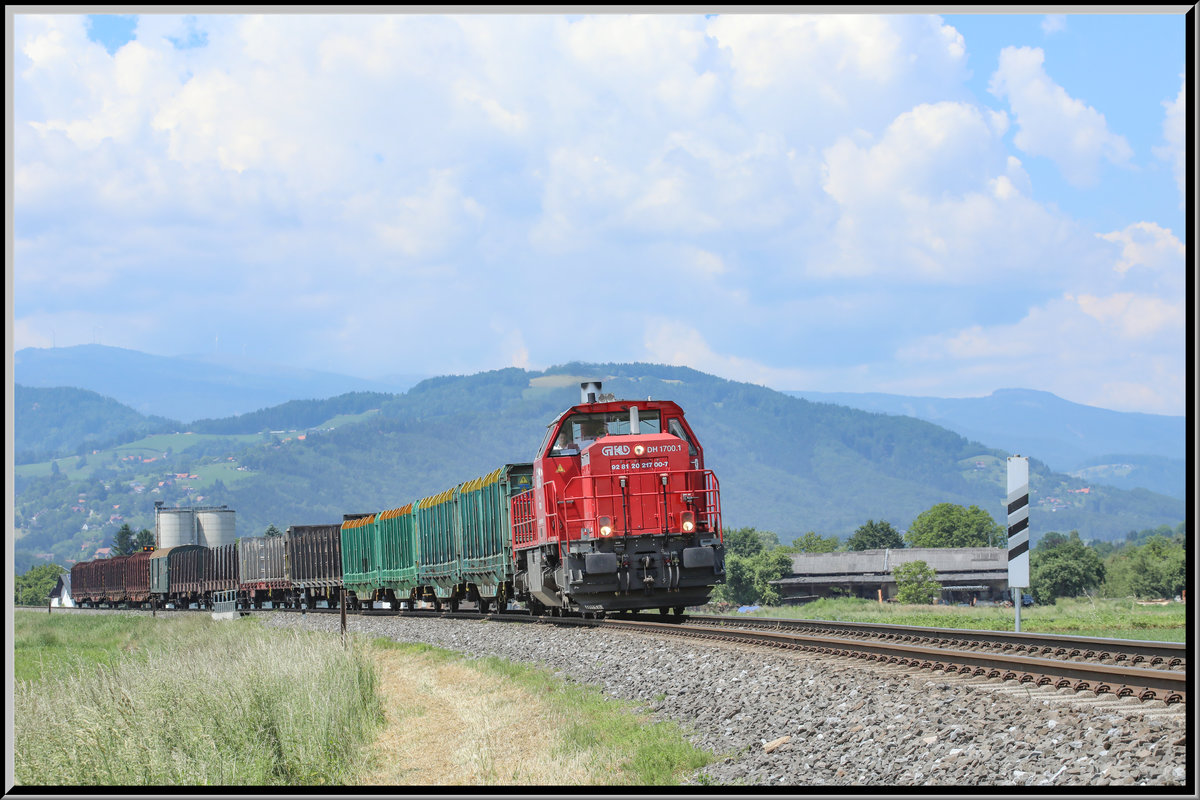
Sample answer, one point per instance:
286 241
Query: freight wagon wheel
454 605
483 606
679 610
437 603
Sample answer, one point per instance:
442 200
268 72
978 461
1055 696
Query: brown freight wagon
313 555
187 574
86 584
112 577
221 570
137 577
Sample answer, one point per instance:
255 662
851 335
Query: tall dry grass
226 704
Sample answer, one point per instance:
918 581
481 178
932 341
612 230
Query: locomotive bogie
623 574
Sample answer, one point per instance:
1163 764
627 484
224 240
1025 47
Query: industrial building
210 526
965 573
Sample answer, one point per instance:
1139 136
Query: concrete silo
215 526
174 527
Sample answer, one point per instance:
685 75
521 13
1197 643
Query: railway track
1116 667
1125 652
1116 678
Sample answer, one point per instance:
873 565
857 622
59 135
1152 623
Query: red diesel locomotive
622 514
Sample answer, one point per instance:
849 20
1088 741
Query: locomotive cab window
673 427
580 430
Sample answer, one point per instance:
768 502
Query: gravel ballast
790 718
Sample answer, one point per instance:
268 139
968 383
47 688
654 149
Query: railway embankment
802 719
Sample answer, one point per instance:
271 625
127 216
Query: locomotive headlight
638 449
606 526
688 520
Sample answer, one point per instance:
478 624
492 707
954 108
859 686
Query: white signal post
1018 530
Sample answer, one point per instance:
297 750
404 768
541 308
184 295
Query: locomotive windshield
580 430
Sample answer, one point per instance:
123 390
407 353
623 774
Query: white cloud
1132 316
412 179
420 225
1174 134
837 70
1053 124
678 344
1086 348
1150 255
937 200
1053 23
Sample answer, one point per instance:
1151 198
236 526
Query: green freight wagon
486 563
379 556
360 561
465 542
437 548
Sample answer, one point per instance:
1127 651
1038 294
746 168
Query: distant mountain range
1123 449
784 463
186 388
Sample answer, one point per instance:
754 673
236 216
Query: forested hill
55 422
784 463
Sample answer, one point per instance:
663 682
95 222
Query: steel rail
1066 646
1146 684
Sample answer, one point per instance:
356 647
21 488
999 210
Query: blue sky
916 204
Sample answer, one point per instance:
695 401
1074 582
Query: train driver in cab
589 431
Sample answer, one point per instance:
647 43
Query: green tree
874 535
145 538
34 587
123 541
812 542
748 579
748 542
738 587
916 582
950 525
769 566
273 531
1159 568
1063 566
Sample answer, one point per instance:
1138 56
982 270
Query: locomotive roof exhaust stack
589 391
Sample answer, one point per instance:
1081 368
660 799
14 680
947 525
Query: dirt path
449 724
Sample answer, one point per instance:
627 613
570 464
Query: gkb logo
615 450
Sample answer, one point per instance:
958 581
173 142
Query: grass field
119 699
148 447
1106 617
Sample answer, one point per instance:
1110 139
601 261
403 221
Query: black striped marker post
1018 530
